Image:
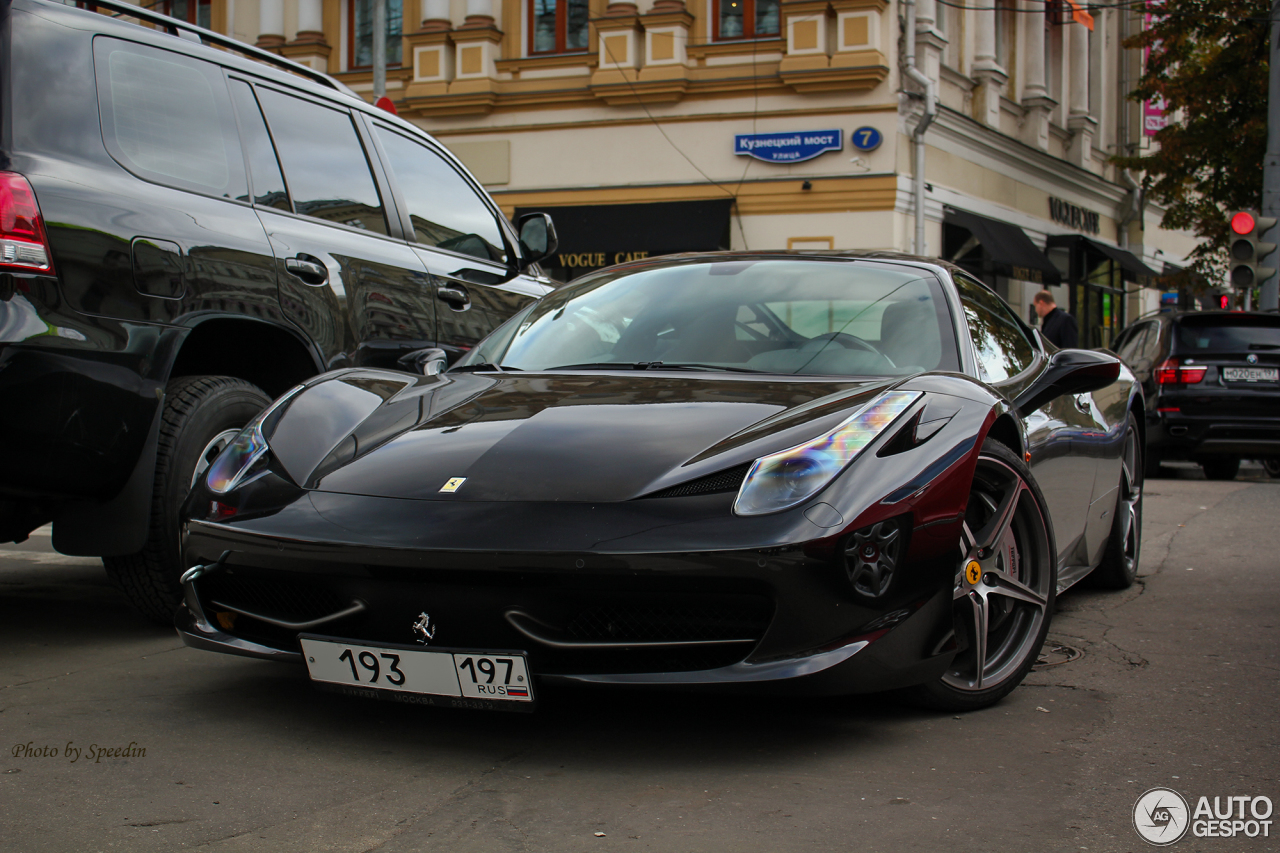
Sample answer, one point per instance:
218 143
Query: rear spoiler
200 35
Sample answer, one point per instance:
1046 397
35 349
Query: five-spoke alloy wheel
1004 586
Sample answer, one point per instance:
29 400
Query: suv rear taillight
23 245
1171 373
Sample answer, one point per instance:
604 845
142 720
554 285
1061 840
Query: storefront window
747 19
360 33
559 26
1099 302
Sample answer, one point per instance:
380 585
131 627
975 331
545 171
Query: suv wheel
1151 463
1224 468
201 415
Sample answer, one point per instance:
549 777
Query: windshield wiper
484 365
652 365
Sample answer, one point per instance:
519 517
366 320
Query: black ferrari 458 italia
824 474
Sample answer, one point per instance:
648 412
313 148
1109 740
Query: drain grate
1056 654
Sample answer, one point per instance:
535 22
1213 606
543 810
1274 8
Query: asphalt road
1177 687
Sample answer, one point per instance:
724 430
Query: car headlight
245 458
782 480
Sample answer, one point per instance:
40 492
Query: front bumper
776 618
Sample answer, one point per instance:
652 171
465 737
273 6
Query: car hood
597 437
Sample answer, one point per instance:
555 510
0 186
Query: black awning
1007 247
1128 261
623 232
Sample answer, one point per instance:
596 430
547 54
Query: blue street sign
867 139
788 147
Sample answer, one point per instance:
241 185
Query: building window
746 19
360 33
198 12
559 26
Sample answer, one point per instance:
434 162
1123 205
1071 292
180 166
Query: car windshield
1227 333
787 315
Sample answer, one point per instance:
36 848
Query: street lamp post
1269 298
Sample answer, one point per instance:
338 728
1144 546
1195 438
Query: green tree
1208 62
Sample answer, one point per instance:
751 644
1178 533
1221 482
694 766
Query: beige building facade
625 120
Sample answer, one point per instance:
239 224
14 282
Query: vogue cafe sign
1065 213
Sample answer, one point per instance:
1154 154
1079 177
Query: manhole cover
1056 654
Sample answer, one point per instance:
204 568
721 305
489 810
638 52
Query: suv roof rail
191 32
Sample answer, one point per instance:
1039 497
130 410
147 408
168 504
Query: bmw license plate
1251 374
457 674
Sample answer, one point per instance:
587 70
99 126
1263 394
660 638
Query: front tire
1119 566
201 416
1221 468
1004 589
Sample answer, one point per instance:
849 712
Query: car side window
324 162
446 211
1151 346
264 169
1002 347
167 118
1130 349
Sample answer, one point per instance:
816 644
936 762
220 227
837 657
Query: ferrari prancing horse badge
453 484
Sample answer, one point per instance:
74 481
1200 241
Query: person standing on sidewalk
1057 326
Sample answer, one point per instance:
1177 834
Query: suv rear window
166 118
1224 333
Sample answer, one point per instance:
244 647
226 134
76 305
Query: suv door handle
456 297
308 269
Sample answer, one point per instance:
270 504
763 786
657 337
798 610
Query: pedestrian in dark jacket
1057 326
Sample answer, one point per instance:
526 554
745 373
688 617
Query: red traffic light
1242 222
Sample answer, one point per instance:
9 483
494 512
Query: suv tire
201 414
1223 468
1151 463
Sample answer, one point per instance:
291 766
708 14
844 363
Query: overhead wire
678 149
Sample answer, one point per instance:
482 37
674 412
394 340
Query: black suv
185 233
1212 386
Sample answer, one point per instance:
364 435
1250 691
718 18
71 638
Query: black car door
460 237
1008 359
345 274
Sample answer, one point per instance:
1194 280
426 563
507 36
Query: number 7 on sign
867 139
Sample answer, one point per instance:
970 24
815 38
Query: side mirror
429 362
1070 371
538 238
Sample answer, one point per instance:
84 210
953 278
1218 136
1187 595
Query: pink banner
1154 113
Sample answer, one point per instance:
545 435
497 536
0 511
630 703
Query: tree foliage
1208 62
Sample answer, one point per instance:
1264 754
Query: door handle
308 269
455 297
1082 404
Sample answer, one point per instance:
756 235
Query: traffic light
1248 250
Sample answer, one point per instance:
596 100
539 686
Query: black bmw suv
185 233
1212 386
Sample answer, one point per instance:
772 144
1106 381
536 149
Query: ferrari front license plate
466 674
1251 374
